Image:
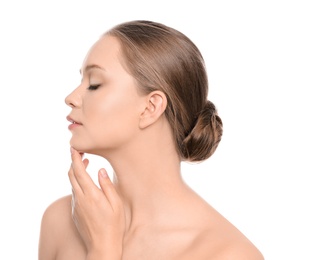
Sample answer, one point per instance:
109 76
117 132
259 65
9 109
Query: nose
74 99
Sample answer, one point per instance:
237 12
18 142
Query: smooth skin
147 211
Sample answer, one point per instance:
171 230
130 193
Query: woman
142 104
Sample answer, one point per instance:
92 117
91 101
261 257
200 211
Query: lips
73 121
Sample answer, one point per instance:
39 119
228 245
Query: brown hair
162 58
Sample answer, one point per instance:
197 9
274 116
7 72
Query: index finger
82 177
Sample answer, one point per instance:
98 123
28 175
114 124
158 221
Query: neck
148 179
146 184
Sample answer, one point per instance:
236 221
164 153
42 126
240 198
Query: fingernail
71 150
103 174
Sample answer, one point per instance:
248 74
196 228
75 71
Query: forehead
104 53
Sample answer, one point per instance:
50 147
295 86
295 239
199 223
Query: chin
88 146
81 148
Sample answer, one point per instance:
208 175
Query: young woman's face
106 105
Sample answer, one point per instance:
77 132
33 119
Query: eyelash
93 87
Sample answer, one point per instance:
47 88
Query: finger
108 188
86 163
73 199
75 185
82 177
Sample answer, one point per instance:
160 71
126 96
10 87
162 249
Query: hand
97 213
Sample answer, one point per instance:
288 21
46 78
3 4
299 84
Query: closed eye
93 87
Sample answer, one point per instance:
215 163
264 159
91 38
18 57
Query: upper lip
70 119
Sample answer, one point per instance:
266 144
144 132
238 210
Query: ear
155 106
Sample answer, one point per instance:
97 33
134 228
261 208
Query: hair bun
205 136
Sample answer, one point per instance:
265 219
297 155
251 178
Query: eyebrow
91 66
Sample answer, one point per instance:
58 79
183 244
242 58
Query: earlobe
156 103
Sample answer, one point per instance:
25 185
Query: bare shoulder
218 239
57 228
239 250
60 205
216 245
57 214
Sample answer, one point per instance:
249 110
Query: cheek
113 115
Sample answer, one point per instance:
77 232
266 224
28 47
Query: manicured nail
103 174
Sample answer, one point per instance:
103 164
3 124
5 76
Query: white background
257 59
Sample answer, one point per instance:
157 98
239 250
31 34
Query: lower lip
73 126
